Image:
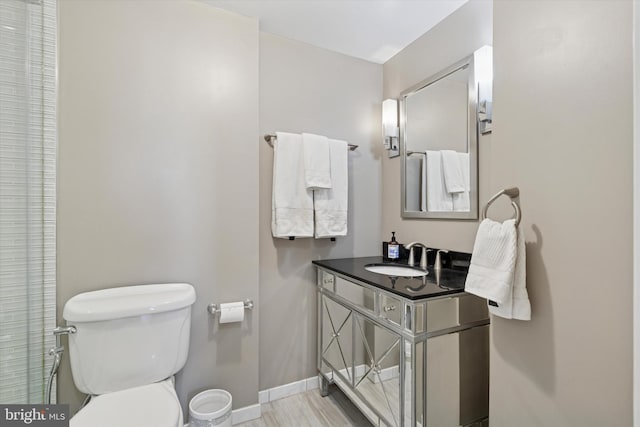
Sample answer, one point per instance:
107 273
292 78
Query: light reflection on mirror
439 135
437 166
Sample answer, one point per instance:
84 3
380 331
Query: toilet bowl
128 344
148 405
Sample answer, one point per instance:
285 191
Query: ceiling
374 30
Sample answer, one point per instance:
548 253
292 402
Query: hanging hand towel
517 305
438 199
452 171
461 200
317 164
493 261
292 202
331 205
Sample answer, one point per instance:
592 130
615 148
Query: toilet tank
128 336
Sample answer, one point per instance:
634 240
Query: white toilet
128 344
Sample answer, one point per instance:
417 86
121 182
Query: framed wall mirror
439 125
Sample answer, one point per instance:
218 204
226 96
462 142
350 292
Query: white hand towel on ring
517 306
498 271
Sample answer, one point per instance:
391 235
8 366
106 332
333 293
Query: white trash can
210 408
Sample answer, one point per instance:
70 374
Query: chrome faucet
423 258
438 264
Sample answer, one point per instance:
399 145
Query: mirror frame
472 141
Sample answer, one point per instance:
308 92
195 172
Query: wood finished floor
310 409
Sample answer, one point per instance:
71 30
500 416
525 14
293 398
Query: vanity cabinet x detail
406 351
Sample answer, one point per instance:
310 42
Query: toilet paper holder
214 309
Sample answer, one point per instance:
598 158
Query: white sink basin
395 270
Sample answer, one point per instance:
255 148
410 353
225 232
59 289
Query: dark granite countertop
446 282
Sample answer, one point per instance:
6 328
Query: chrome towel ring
513 193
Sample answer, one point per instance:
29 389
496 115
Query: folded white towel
452 171
438 199
292 202
461 200
317 164
331 205
517 305
493 261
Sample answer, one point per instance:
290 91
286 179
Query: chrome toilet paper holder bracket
214 309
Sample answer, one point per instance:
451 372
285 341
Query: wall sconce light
483 63
390 126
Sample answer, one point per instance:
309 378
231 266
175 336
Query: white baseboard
386 374
242 415
253 412
286 390
248 413
312 383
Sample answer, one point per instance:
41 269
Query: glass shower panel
27 197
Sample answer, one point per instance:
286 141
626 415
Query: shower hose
56 352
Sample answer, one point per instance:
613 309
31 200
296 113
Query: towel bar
514 194
333 239
270 137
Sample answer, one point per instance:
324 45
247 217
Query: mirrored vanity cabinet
406 351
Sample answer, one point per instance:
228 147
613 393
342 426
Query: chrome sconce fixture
484 79
390 126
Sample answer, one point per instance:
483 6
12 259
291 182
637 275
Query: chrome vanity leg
324 386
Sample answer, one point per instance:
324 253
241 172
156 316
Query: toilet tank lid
128 301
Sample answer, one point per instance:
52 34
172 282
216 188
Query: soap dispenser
393 248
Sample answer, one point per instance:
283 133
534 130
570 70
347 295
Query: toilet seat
154 405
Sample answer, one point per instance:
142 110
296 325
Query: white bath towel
438 199
461 200
493 261
517 305
292 202
452 171
497 271
317 164
331 205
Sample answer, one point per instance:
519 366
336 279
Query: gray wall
459 35
158 172
307 89
563 134
158 169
